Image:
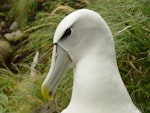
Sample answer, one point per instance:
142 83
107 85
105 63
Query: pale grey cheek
69 43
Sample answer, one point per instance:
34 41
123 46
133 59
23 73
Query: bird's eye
67 33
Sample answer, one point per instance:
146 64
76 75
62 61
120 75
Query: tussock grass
19 93
37 37
20 10
129 22
28 91
7 83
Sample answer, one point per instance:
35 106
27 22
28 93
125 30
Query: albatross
84 38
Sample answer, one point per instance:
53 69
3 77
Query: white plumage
97 85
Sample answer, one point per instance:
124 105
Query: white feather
97 85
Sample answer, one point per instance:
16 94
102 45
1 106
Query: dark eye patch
67 33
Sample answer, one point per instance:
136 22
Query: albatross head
80 34
84 39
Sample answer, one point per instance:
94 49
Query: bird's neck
97 82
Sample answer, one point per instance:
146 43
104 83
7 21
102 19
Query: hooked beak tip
45 93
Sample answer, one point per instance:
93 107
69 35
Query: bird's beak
60 62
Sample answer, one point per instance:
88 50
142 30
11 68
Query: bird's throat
98 82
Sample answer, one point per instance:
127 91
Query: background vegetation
130 25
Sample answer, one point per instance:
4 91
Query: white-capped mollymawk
84 39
